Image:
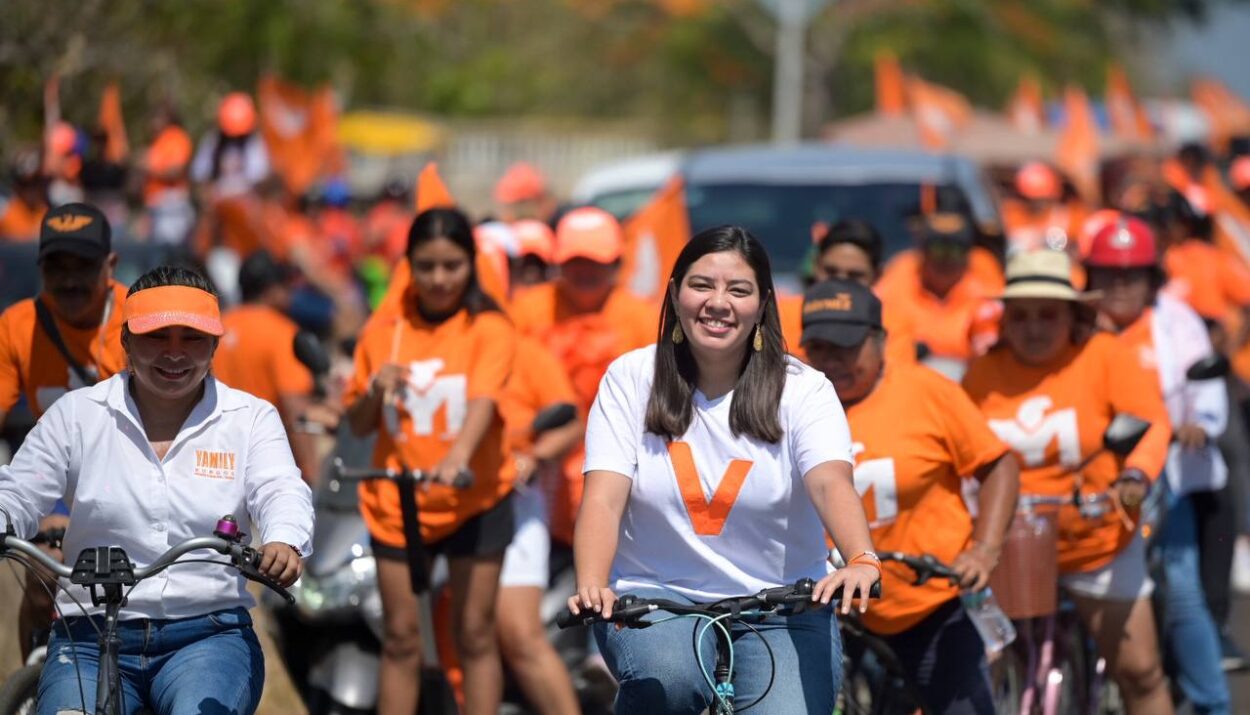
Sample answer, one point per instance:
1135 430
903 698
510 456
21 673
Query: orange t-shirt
538 381
31 365
944 325
900 347
910 474
170 151
462 359
585 345
1211 281
20 221
1054 416
257 354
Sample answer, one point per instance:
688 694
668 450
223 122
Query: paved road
1240 683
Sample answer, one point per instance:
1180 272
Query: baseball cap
75 228
839 312
536 239
590 233
521 182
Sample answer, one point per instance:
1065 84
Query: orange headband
156 308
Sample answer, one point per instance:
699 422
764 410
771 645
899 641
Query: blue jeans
207 665
658 671
1190 637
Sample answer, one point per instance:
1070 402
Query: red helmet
1036 181
1239 173
1127 243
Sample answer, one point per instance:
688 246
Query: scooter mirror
553 417
310 352
1123 434
1208 368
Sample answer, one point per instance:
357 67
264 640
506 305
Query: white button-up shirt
231 456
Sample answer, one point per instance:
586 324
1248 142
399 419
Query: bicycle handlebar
344 473
926 566
244 558
629 610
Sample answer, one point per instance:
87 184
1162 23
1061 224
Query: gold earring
759 338
678 336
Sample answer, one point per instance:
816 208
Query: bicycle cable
73 647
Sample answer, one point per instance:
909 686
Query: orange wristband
867 558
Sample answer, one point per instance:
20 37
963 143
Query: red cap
1036 181
1239 173
521 182
1127 243
536 239
236 115
590 233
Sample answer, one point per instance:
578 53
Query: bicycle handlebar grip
566 619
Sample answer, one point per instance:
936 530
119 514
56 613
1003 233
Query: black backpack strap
48 324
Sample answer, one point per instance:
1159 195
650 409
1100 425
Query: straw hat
1043 273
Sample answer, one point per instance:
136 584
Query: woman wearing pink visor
146 459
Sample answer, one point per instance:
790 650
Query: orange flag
1128 117
1024 110
431 192
1227 113
891 84
653 238
1077 151
300 130
116 147
940 112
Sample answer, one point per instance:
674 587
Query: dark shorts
486 534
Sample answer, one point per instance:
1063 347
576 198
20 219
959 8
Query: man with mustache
69 336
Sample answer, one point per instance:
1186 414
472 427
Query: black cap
840 312
75 228
259 271
947 227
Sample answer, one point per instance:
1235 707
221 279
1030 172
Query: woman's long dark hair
757 394
454 226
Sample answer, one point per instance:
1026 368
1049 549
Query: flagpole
788 71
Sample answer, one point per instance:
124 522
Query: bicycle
109 575
18 692
719 615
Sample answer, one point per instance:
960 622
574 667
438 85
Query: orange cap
236 115
63 139
150 310
536 239
1036 181
521 182
590 233
1239 173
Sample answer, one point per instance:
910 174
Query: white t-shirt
718 546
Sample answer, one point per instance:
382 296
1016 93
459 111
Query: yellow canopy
389 133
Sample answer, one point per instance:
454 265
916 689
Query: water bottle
990 621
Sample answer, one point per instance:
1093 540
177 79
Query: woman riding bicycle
428 379
717 409
916 436
1123 265
146 459
1050 388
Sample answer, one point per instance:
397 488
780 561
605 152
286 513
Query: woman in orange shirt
428 379
1049 389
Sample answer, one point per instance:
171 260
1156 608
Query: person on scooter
910 473
1049 388
428 379
146 459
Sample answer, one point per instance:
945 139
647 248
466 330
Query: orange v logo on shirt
707 517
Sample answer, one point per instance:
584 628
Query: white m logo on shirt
1032 431
877 476
425 393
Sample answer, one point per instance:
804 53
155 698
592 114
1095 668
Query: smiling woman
145 459
714 466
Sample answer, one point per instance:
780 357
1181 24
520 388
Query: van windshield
781 216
